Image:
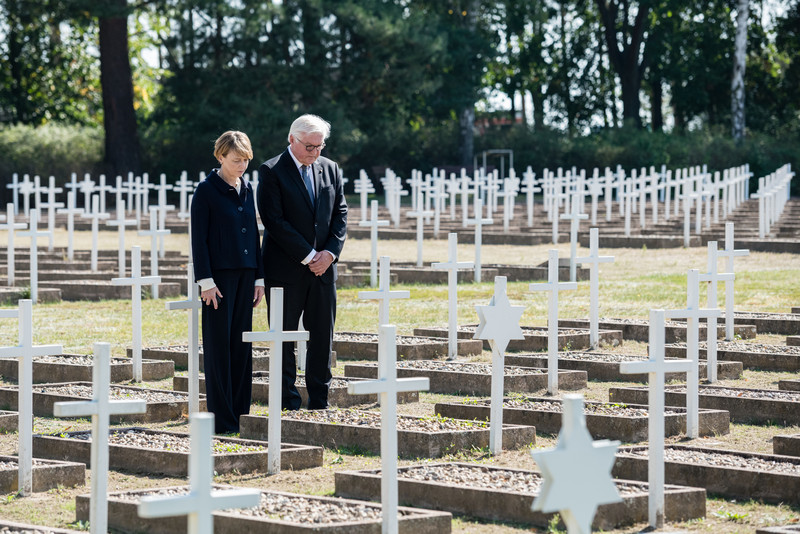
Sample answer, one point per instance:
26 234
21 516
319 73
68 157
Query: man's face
300 147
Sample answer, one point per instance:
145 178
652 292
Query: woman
228 266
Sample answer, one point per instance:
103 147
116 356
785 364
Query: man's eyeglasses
310 148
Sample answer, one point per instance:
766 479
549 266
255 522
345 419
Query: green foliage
51 149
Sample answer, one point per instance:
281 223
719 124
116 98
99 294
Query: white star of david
499 320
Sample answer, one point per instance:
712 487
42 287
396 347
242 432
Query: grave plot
10 295
786 445
103 289
472 378
179 354
731 474
278 512
11 527
752 355
47 474
785 529
674 331
364 346
414 275
503 494
769 323
9 422
146 451
625 422
535 337
337 393
78 368
605 366
417 437
161 405
756 406
793 341
789 385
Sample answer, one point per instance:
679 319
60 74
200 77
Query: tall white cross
184 186
121 222
384 295
193 305
373 225
552 286
419 214
136 281
499 323
577 473
388 386
101 408
154 234
34 234
201 501
70 211
730 252
657 368
713 277
12 227
594 260
363 186
530 189
479 221
574 219
24 353
14 186
102 188
26 189
693 313
95 216
452 266
87 188
276 336
51 206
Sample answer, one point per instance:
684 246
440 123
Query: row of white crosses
773 193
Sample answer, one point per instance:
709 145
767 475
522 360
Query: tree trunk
656 100
467 113
537 99
119 118
737 83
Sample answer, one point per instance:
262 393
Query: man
302 205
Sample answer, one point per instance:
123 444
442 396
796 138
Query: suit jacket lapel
296 179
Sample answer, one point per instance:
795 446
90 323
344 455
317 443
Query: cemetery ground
638 280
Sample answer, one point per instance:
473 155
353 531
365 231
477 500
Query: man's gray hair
307 124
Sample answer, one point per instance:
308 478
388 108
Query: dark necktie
307 181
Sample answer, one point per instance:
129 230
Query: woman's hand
209 296
258 294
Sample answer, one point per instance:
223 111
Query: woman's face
233 164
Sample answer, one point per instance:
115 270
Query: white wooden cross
530 189
693 313
24 353
577 472
193 305
552 286
657 368
363 186
730 252
162 207
101 409
34 234
465 189
14 186
384 295
184 186
574 219
452 266
628 196
713 277
509 195
437 195
201 501
594 260
121 222
95 216
499 323
51 206
70 211
136 281
12 227
87 188
26 189
388 386
479 221
154 234
373 225
276 336
419 214
102 188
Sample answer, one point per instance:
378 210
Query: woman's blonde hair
233 141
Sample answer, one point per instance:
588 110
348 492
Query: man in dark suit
302 205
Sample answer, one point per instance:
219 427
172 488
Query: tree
739 63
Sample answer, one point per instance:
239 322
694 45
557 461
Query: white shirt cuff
259 283
206 284
309 257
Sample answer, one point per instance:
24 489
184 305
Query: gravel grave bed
531 330
257 351
743 394
765 315
603 357
638 321
116 392
735 346
301 381
165 442
9 530
492 479
12 465
474 368
83 359
373 419
617 410
718 459
373 338
291 508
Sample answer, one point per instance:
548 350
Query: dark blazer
292 225
224 228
